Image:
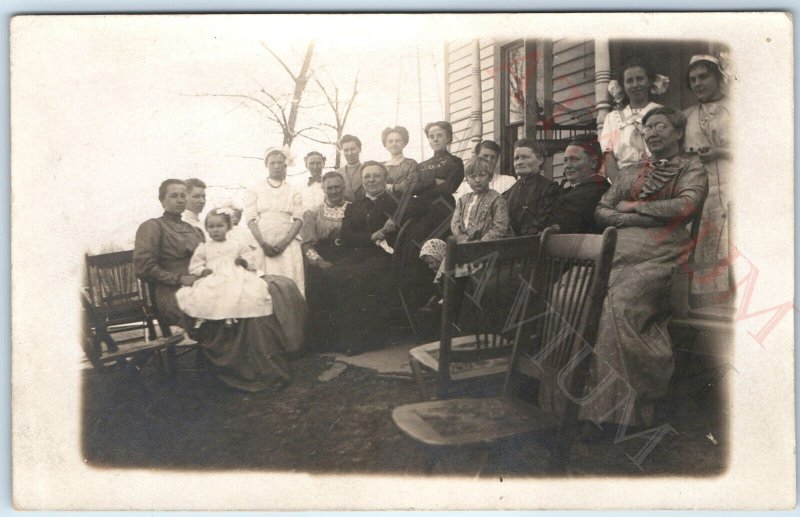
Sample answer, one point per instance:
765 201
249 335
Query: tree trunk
299 87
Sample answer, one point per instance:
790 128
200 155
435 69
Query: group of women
339 258
664 165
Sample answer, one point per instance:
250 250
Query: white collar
628 111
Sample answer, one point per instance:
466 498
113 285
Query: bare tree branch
336 106
352 98
288 123
288 70
326 142
258 101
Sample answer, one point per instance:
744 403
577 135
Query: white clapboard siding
573 81
572 90
459 87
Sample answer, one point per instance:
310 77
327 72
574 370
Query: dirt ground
344 425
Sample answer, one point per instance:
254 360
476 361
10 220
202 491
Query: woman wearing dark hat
708 135
395 139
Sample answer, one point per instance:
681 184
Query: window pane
540 80
516 85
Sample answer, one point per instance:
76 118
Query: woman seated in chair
323 250
247 356
532 198
351 267
649 203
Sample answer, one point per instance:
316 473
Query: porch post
476 98
602 75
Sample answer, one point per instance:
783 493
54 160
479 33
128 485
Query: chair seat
470 420
713 318
131 349
428 355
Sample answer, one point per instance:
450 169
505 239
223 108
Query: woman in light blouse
622 138
273 211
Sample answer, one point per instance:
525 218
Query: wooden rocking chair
116 293
105 354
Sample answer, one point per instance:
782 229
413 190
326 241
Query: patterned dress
709 125
633 350
480 217
321 234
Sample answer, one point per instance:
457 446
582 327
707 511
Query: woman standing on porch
708 129
649 204
622 138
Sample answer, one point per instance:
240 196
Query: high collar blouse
669 192
623 135
530 203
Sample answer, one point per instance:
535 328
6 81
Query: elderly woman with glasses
649 204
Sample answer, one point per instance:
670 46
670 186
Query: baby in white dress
228 287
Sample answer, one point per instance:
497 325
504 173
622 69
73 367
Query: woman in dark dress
246 356
532 198
323 250
431 186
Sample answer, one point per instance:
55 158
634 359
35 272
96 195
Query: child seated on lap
228 287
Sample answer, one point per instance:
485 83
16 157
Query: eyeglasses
658 128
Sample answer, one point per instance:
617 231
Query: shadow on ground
342 424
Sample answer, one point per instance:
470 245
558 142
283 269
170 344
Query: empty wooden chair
480 289
555 335
116 293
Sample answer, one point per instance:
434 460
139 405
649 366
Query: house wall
572 87
569 87
458 92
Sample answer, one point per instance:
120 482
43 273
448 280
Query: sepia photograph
403 261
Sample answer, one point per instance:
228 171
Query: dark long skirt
247 355
351 302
